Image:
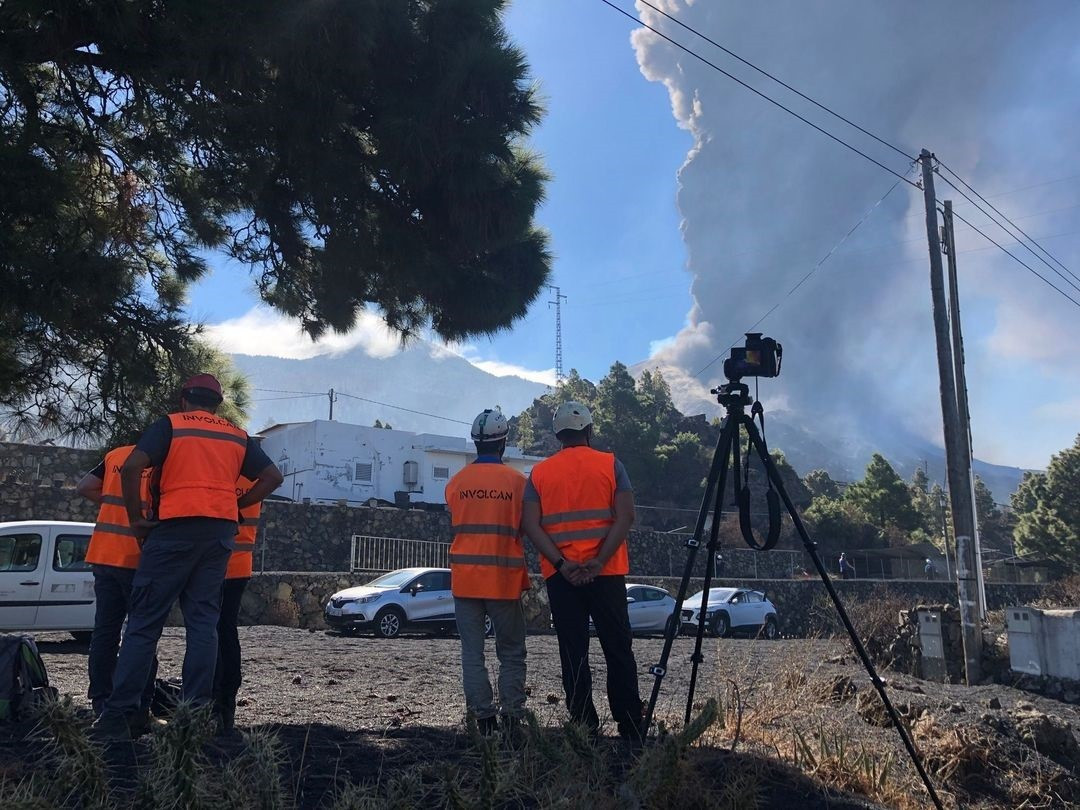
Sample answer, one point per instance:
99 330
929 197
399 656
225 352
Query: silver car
730 611
391 604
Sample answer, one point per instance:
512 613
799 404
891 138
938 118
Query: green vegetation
1047 511
348 154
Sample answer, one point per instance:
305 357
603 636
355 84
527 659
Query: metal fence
390 553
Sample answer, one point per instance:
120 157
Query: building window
440 473
362 473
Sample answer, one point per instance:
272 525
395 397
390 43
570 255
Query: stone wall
297 599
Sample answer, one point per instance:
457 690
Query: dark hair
570 435
490 448
201 397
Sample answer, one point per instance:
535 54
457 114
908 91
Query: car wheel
671 628
82 636
388 622
720 625
771 630
489 627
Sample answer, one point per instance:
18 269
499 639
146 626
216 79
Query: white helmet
571 416
489 426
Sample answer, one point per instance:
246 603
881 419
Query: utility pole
333 399
955 461
962 397
559 298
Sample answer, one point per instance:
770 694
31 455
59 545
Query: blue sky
613 151
682 207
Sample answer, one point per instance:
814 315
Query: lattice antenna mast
558 299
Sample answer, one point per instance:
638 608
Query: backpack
24 684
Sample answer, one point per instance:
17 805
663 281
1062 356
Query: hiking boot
110 727
144 723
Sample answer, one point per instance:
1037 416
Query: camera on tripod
760 357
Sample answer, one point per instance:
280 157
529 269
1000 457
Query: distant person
930 570
488 575
114 554
719 564
847 570
579 506
229 675
186 549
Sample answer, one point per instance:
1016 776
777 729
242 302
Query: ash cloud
991 88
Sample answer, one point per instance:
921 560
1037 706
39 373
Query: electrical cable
353 396
781 82
997 211
1019 241
812 270
757 92
1017 259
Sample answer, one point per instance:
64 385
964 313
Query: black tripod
735 396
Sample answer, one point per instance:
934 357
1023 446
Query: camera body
760 357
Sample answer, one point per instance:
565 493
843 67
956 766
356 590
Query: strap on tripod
772 498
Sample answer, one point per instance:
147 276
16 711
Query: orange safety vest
113 542
199 474
241 563
487 560
577 504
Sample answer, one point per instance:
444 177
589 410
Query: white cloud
261 331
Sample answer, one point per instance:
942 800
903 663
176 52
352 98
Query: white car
732 610
406 599
45 581
650 608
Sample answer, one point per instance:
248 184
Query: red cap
207 381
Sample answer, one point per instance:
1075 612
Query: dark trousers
185 560
228 677
112 593
571 606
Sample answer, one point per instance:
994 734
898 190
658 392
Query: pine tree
1047 507
883 496
821 484
350 154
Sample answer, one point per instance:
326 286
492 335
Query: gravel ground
295 677
355 708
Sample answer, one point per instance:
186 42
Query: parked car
650 608
732 610
45 581
406 599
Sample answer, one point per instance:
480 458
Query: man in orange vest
228 676
579 506
114 553
488 574
186 550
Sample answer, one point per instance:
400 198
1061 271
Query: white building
331 462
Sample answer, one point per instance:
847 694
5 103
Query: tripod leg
856 642
710 570
716 471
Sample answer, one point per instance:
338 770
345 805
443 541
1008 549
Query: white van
45 581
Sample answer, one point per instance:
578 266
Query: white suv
406 599
732 610
45 581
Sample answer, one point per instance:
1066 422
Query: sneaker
144 723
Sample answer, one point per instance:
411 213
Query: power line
782 83
998 212
1016 227
401 408
812 270
277 399
305 394
1016 258
757 92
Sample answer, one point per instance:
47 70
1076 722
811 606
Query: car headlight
364 600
